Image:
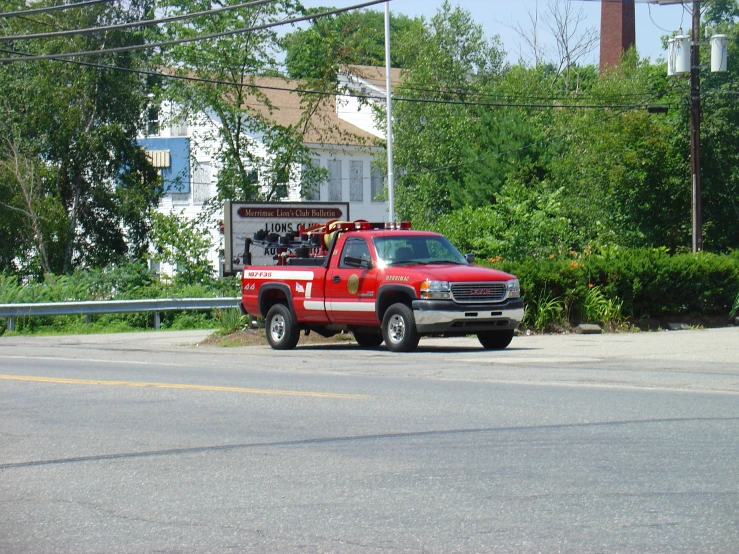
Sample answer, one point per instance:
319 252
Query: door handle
336 279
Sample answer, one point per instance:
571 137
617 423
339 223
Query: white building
343 138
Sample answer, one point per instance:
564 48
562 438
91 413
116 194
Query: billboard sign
243 219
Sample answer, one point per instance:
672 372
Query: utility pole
695 127
389 107
680 63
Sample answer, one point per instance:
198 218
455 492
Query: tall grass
598 308
544 312
230 320
735 307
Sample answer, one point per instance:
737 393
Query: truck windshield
418 249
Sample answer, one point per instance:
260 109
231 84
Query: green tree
183 243
75 127
346 38
437 143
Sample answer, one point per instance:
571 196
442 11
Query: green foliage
183 321
436 142
183 243
125 281
735 307
614 284
230 320
349 38
544 312
599 308
74 186
522 222
620 176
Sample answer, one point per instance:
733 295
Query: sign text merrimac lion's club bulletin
241 220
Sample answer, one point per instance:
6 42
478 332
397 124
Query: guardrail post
88 319
157 320
11 324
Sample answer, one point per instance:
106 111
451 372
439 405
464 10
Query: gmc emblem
479 292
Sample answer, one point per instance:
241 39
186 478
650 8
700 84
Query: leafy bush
523 223
613 284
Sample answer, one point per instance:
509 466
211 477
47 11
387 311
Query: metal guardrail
87 308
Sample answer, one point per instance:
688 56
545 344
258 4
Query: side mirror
470 257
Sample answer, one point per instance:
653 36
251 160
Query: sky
498 16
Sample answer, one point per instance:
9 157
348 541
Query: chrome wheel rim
277 328
396 328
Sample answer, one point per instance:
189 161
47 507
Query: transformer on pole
683 58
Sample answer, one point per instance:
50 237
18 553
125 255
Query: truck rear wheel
368 340
399 329
282 331
495 340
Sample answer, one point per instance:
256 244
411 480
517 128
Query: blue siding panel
177 175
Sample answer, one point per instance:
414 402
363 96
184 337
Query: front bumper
446 316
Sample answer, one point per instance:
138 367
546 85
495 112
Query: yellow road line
179 386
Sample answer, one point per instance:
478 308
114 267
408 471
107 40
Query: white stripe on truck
339 306
277 274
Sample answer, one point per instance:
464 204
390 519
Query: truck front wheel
282 331
495 340
399 329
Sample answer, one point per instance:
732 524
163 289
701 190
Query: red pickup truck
382 282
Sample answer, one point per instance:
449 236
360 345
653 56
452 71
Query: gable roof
324 128
374 75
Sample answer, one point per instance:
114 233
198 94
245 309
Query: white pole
389 134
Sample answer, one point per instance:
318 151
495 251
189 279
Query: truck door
351 285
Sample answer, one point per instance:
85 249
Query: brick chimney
617 31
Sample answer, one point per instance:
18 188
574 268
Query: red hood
450 272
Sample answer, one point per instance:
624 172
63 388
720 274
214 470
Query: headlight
435 290
514 289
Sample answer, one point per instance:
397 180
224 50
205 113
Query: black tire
495 340
282 331
399 329
368 340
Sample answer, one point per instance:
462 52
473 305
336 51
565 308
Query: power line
142 23
203 80
134 47
649 7
54 8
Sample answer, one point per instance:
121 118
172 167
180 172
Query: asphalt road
147 443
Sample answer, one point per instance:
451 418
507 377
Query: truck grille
479 292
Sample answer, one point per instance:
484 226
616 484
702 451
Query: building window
356 181
334 185
282 179
180 198
152 120
178 128
377 184
201 183
310 191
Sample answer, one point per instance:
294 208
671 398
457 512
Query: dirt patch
256 337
